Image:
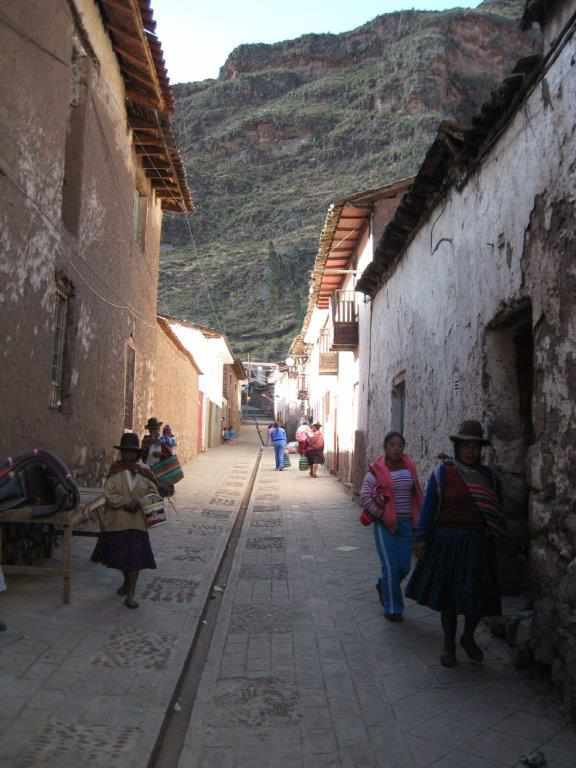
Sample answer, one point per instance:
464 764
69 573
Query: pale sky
198 36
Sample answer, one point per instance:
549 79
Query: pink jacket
377 494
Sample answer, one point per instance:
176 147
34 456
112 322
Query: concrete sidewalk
305 672
90 683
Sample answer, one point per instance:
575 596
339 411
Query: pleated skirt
458 573
124 550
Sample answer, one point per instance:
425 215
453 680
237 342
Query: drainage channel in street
170 742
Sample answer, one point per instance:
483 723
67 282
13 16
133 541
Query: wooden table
91 499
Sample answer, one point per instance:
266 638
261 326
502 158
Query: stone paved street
304 672
90 683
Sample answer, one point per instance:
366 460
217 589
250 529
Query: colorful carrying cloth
168 471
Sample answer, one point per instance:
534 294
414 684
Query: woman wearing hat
315 449
124 543
152 449
456 572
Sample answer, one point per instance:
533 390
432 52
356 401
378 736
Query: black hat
129 442
470 431
153 423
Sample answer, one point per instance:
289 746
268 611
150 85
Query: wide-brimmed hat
129 442
317 425
471 432
153 423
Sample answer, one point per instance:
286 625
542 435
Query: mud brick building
88 164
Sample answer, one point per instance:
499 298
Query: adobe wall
175 397
502 243
54 88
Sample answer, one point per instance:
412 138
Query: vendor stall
69 523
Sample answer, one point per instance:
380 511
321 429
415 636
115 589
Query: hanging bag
303 464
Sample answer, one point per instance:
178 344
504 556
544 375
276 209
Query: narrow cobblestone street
303 672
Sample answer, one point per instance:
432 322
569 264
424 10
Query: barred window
129 387
62 299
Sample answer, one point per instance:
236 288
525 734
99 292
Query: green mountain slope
287 128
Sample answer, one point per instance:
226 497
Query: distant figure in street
278 440
315 449
152 449
168 439
124 543
269 434
391 498
302 434
3 626
456 571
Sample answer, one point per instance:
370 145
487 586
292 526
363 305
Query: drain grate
274 543
167 590
133 649
75 744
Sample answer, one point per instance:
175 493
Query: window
129 378
398 403
62 299
140 218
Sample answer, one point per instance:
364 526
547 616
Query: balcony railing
344 321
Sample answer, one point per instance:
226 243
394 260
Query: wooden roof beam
137 97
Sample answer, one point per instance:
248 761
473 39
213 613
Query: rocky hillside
287 128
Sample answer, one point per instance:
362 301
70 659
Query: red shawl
385 492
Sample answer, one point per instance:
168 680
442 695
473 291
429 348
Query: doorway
509 390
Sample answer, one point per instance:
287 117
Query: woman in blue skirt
456 572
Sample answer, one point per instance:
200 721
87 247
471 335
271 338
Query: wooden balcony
328 364
344 321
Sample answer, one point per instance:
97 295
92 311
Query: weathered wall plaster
507 236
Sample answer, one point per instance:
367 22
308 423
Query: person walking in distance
153 450
315 449
391 498
278 440
124 543
456 572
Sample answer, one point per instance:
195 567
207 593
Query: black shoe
3 627
473 651
394 617
448 659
